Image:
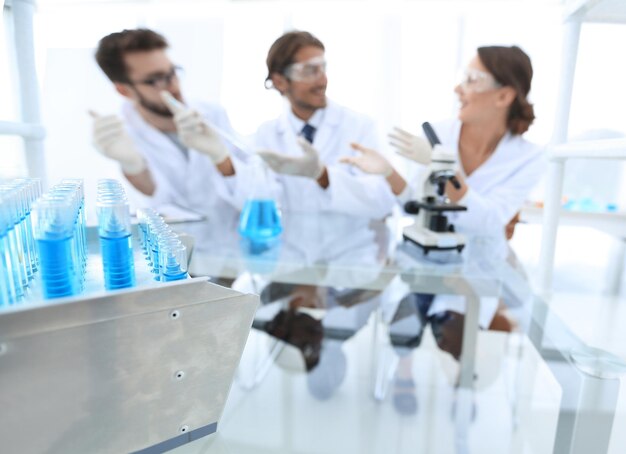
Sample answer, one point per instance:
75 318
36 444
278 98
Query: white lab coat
191 181
350 190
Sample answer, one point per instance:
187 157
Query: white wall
394 60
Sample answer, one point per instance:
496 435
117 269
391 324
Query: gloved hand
308 165
369 161
412 147
111 139
194 132
445 156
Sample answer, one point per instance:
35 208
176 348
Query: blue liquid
22 235
58 272
155 257
260 221
118 262
172 271
7 284
34 260
13 262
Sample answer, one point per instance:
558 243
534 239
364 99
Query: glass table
365 344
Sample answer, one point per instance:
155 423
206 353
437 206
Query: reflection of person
407 326
171 158
306 141
317 320
300 330
497 166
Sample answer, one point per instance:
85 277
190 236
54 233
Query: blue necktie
308 132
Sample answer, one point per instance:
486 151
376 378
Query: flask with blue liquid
114 230
260 221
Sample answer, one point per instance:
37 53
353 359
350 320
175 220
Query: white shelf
590 149
611 223
608 11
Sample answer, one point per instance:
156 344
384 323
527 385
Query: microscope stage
429 240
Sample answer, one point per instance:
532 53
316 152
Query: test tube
53 220
172 260
114 229
7 265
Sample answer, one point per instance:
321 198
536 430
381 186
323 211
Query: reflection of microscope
431 230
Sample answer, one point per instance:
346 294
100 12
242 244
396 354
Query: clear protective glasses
160 81
477 81
306 71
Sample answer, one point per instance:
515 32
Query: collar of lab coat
325 130
297 124
332 116
503 152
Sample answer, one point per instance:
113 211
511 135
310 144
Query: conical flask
260 219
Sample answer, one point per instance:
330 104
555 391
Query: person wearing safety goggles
496 166
307 140
166 150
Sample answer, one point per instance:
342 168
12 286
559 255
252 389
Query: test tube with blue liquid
165 253
18 255
72 194
32 191
114 229
19 189
159 230
8 292
142 220
13 241
53 221
172 260
81 223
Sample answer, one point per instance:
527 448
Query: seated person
308 139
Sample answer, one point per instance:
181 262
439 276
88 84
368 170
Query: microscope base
433 241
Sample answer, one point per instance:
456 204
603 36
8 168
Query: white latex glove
194 132
111 139
445 155
412 147
369 161
308 165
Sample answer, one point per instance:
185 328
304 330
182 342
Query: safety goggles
306 71
477 81
160 81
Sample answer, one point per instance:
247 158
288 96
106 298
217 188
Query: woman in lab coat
497 167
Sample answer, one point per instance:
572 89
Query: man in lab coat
308 139
170 158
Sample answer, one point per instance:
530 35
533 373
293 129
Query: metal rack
137 370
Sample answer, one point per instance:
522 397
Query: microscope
431 230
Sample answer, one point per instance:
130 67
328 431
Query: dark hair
284 49
511 67
113 47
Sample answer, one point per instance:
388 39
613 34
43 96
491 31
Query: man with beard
170 158
312 134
